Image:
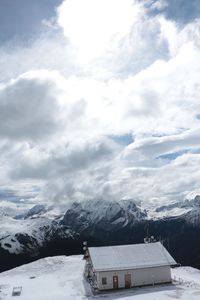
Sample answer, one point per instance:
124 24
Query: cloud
66 161
95 110
153 147
94 26
109 38
29 109
89 47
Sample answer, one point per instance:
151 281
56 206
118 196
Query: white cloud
94 27
103 39
117 70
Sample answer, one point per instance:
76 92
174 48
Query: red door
127 281
115 282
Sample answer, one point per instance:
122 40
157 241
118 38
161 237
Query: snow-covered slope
61 278
188 208
26 230
101 214
28 235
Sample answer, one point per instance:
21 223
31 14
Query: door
127 280
115 282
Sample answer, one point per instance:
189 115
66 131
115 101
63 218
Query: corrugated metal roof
130 257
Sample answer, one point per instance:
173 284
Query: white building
127 266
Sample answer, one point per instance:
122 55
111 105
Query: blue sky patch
125 139
182 11
22 19
173 155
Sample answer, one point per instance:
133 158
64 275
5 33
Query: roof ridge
111 246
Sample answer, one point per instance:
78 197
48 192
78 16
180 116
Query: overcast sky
99 99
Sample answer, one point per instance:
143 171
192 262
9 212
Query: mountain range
40 231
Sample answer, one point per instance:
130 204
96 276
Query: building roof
126 257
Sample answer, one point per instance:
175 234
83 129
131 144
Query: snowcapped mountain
181 208
103 215
40 230
29 236
28 233
61 278
35 211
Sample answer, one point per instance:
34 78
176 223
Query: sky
99 99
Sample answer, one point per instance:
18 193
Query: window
104 280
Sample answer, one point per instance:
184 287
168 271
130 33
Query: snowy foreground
61 278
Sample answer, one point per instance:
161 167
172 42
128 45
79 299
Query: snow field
61 278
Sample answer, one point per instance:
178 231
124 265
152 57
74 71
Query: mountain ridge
39 232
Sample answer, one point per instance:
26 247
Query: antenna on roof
85 249
146 239
149 239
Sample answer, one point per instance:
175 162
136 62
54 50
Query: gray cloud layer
28 109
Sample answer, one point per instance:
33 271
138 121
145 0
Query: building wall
139 277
